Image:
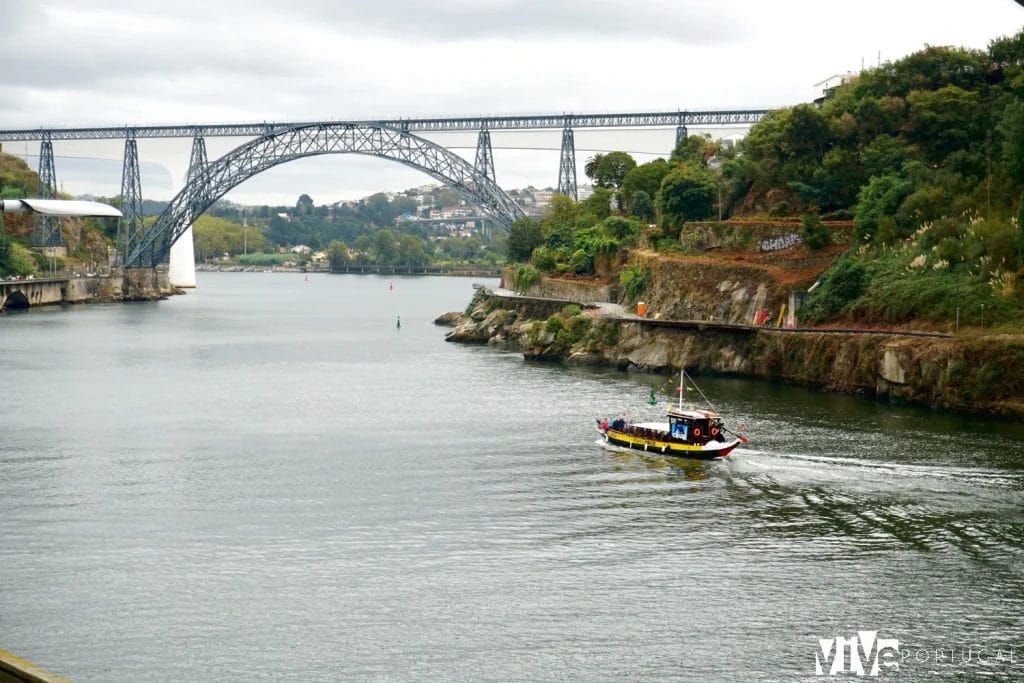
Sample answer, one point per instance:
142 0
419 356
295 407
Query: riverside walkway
620 313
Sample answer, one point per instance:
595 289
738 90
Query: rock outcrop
984 375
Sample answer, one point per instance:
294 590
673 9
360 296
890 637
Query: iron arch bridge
218 177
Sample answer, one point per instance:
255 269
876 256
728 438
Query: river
267 478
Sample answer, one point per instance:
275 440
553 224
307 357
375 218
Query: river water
266 478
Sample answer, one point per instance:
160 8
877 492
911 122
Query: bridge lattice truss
286 145
736 117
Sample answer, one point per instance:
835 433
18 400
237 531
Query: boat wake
976 475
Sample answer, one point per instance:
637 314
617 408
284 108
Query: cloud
109 63
454 20
22 16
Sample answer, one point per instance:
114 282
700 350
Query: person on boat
604 424
618 423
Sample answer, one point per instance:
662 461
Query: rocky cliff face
700 288
979 376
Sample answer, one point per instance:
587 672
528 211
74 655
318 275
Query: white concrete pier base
182 268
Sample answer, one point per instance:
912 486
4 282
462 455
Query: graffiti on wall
778 243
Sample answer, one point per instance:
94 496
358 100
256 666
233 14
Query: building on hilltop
829 85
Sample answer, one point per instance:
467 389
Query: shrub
581 262
880 197
633 279
779 209
621 228
14 258
524 277
997 240
544 259
261 259
950 249
813 232
840 286
554 324
478 296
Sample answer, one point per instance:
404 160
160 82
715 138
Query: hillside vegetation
86 239
925 157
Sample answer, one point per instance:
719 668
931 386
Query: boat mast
682 386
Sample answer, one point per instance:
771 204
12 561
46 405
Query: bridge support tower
567 166
46 229
681 134
484 156
129 228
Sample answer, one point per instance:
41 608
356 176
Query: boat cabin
695 426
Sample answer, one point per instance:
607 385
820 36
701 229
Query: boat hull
712 450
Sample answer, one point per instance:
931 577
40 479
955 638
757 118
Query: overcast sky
103 62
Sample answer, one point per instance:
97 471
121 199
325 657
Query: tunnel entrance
15 301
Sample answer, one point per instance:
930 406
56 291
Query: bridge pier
567 166
182 268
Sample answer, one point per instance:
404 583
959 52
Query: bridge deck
665 119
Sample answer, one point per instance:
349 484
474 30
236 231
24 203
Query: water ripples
328 499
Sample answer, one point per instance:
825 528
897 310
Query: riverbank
467 271
979 375
131 284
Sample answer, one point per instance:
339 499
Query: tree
884 154
590 168
686 194
337 253
641 206
943 121
304 207
385 248
410 251
524 235
644 178
880 198
598 205
1011 129
215 236
403 206
621 229
378 209
612 168
690 150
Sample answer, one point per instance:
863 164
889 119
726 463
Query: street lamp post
245 231
957 281
715 164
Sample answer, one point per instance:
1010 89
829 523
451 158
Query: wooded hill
925 155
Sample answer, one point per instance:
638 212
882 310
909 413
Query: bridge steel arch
281 146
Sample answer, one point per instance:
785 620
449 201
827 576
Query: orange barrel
641 308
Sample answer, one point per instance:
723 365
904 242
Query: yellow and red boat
694 433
